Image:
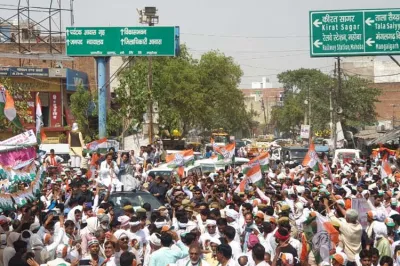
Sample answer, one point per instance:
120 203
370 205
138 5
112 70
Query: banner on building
55 109
27 138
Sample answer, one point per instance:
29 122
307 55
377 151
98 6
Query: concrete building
55 87
261 98
56 81
384 75
371 68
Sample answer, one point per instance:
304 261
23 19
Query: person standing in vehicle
76 145
158 189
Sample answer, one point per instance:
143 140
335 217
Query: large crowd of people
296 216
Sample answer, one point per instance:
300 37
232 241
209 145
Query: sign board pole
102 91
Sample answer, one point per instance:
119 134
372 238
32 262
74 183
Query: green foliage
190 93
21 98
290 115
224 103
80 102
356 98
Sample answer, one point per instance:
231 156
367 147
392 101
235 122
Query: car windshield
346 155
207 168
221 139
298 153
164 174
240 144
136 200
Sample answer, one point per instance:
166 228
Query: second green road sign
354 32
122 41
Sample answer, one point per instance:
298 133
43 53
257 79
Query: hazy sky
265 37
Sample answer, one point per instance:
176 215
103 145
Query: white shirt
263 263
71 215
187 262
57 262
296 245
105 167
250 261
206 236
57 159
236 249
264 240
105 177
111 262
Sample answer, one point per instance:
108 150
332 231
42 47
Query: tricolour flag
92 146
7 107
227 152
213 144
40 135
242 186
327 167
312 160
252 170
320 237
180 158
263 158
385 168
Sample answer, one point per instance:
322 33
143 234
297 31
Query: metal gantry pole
102 92
150 83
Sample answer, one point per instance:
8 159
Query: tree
22 97
224 102
191 93
131 97
81 102
356 98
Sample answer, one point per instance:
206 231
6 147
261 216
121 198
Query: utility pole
331 112
393 115
267 119
150 82
309 108
265 116
149 16
335 115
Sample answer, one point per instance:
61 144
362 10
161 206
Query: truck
220 137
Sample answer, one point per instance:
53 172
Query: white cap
155 240
74 126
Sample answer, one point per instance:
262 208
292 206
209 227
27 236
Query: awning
392 135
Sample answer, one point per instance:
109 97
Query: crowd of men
298 216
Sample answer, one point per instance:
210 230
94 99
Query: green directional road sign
354 32
122 41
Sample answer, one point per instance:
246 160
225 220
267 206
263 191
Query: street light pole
309 108
149 16
150 82
393 115
265 117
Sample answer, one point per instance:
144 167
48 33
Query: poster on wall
55 109
31 109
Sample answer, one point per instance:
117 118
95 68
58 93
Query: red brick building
388 107
55 83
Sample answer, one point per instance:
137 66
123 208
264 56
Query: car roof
295 148
137 192
241 160
176 151
347 150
